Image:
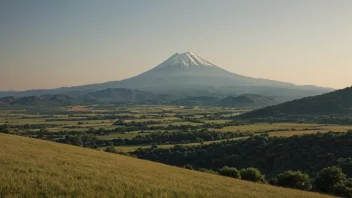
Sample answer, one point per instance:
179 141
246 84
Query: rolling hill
37 168
187 74
132 96
4 105
241 101
47 100
336 102
122 95
247 100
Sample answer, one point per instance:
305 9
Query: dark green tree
329 179
111 149
76 140
252 174
204 170
294 179
346 165
230 172
188 167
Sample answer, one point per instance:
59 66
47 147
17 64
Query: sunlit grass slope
37 168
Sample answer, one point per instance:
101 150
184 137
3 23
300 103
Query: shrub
349 183
204 170
252 174
342 190
294 179
230 172
272 181
111 149
328 179
188 167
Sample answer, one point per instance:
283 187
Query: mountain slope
337 102
188 69
37 168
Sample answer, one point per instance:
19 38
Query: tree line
271 155
330 180
177 137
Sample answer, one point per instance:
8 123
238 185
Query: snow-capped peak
185 60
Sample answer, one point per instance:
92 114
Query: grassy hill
336 102
37 168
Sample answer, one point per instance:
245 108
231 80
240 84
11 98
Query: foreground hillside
36 168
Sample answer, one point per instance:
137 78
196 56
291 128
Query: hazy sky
48 44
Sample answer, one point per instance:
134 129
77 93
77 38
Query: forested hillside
337 102
271 155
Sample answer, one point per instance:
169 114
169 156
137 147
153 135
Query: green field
118 135
127 149
37 168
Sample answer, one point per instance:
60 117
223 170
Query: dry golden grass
37 168
292 133
261 127
79 108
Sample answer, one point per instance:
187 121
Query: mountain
247 100
187 74
189 70
336 102
38 168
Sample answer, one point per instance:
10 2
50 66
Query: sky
49 44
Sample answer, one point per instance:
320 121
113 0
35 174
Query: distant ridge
336 102
132 96
53 100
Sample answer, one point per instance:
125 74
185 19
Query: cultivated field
111 123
